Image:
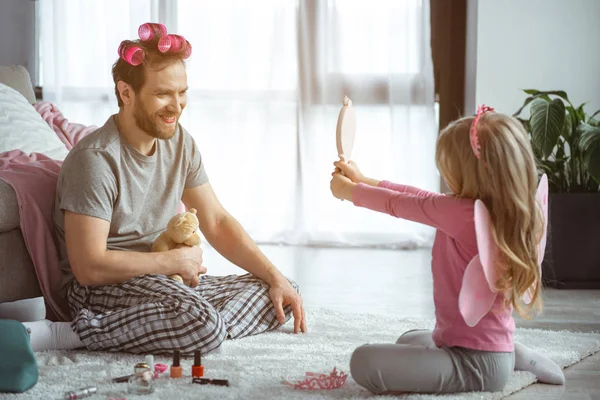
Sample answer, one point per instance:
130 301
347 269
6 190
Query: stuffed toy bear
181 229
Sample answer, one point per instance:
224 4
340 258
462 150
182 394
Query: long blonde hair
505 179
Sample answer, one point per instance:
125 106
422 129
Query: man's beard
147 122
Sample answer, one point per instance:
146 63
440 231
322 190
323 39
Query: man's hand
282 294
187 262
227 236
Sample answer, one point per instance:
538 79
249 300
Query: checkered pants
153 314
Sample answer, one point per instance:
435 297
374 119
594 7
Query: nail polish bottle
197 368
176 366
141 381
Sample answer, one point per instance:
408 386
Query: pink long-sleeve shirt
454 246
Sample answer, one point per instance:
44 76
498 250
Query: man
117 189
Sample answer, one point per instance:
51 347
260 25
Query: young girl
487 157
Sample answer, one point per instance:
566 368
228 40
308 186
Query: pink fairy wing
488 250
478 292
541 197
475 298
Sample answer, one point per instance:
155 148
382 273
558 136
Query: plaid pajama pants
153 314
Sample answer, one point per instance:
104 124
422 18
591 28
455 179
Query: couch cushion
18 279
21 127
17 77
9 208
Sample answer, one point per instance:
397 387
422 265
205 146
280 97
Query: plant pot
572 258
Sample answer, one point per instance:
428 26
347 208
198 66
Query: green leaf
559 93
525 123
566 129
581 112
591 119
549 166
547 121
574 117
560 151
527 101
590 146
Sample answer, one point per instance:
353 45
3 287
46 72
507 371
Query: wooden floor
399 283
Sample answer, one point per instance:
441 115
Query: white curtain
267 79
377 52
78 42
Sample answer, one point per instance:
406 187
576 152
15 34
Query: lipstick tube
206 381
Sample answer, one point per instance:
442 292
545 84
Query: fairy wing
477 293
542 198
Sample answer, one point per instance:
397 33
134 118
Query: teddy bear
181 229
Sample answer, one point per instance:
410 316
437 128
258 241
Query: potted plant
566 144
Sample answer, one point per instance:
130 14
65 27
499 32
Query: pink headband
482 109
134 54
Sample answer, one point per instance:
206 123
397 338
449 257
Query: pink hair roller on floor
150 30
173 42
131 53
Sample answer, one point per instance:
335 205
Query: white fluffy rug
256 366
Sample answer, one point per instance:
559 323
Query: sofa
21 127
18 280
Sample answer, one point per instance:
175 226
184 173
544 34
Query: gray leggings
415 365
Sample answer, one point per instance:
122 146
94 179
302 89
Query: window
267 79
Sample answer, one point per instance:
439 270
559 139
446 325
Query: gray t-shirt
104 176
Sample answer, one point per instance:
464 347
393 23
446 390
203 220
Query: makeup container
150 361
176 366
197 368
206 381
141 381
80 393
122 379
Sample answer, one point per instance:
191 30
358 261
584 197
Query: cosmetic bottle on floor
141 381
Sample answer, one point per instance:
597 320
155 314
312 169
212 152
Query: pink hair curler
188 50
175 43
150 30
131 53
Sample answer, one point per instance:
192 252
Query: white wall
539 44
17 34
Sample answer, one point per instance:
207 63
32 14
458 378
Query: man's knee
208 335
202 327
219 336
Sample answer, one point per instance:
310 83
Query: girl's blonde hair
505 179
